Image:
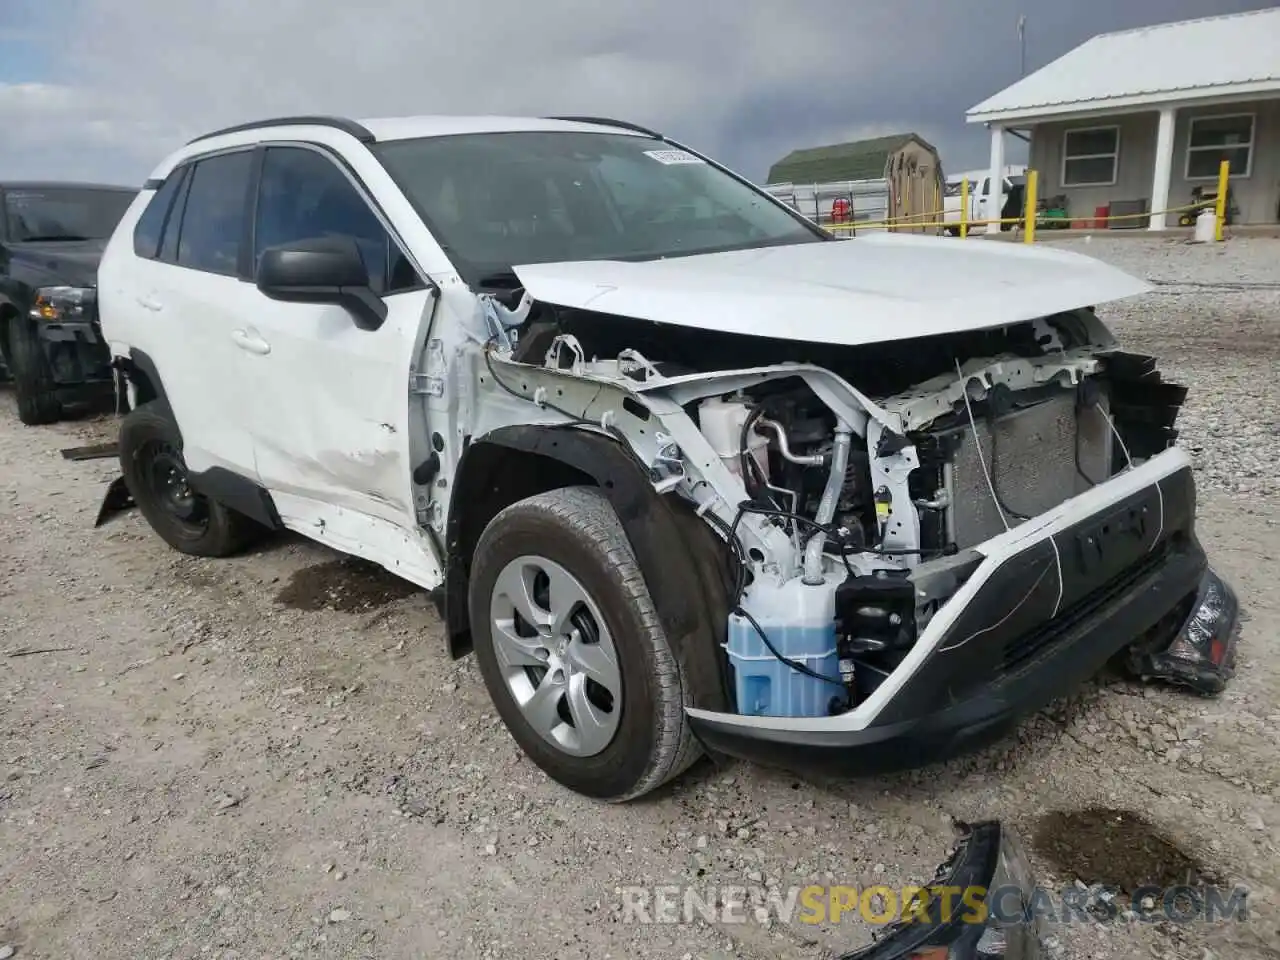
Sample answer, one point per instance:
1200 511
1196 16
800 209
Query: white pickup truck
979 195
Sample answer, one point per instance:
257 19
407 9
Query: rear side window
213 219
150 226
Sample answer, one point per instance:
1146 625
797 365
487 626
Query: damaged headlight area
977 907
1194 645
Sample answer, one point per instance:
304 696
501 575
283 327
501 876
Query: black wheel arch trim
229 488
662 536
240 494
139 362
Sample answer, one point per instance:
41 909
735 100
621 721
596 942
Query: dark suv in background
51 238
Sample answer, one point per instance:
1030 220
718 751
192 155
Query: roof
857 160
332 130
1186 60
404 128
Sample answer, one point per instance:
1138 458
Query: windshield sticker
673 156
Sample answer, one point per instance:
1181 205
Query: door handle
250 342
150 303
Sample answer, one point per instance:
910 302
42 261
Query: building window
1214 139
1090 157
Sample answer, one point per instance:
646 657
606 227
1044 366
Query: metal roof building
859 160
1144 117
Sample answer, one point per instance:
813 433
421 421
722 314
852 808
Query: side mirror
322 270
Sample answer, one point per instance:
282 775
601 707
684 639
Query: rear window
150 226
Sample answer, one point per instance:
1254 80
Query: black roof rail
606 122
359 131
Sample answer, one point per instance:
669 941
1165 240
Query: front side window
213 219
1090 157
304 196
1214 139
64 213
500 200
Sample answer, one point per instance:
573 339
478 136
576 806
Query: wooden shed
907 163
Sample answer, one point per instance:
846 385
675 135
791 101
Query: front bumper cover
1048 617
978 906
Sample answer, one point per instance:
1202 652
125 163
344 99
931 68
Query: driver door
331 401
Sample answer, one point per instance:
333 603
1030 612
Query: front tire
572 650
33 383
156 475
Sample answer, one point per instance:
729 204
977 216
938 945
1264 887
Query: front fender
681 558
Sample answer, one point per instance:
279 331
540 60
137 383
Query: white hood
878 287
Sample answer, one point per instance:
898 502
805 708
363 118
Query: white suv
681 468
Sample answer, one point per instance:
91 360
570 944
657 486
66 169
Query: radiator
1032 456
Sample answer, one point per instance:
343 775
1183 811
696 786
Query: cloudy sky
102 89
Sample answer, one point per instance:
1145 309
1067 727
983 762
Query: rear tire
569 543
33 383
156 475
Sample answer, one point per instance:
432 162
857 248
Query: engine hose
813 573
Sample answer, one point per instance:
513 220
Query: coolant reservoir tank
721 422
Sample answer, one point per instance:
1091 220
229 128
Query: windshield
498 200
64 213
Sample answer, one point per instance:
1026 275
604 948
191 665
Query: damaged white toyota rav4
684 471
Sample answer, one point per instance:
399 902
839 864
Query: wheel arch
143 373
683 561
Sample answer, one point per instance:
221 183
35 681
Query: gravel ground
272 756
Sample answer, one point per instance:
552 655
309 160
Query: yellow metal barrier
1029 219
1220 208
965 223
1029 232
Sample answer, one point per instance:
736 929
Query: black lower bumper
79 359
1013 656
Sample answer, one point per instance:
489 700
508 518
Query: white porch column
995 182
1163 168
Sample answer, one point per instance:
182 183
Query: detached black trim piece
357 130
942 926
153 184
94 451
115 501
606 122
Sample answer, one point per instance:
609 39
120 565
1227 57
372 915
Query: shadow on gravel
347 585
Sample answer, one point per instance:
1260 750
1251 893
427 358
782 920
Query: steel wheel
556 655
166 478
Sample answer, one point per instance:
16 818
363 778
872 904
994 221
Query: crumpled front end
1117 570
925 539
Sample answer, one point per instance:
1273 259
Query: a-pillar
1163 168
995 181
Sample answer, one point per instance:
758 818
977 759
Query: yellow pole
938 203
1220 211
964 208
1029 230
